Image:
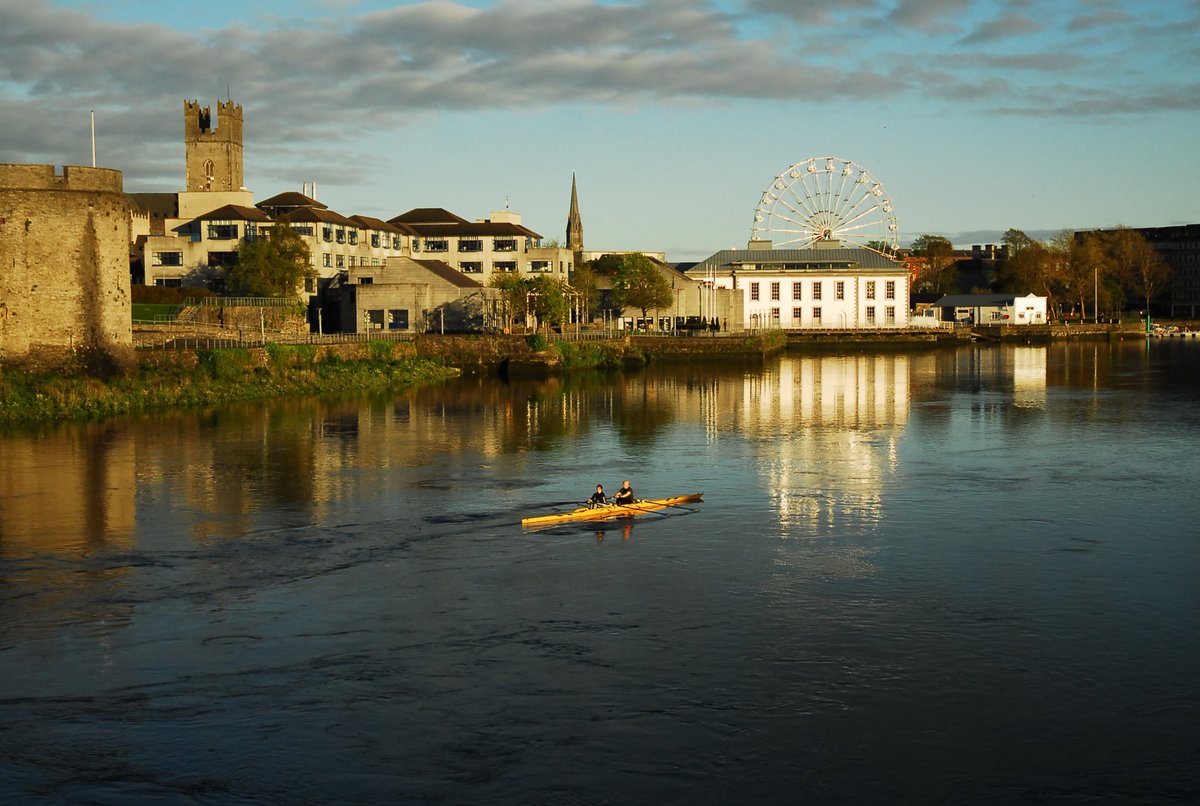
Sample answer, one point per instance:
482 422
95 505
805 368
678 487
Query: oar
658 507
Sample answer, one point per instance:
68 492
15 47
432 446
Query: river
961 575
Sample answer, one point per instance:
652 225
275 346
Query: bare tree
1138 263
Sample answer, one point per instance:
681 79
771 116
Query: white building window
870 314
796 292
889 290
775 291
870 289
839 290
754 291
817 290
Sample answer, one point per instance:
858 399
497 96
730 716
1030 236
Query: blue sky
675 115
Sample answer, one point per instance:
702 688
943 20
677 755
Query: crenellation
213 152
72 177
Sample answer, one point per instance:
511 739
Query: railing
243 302
201 335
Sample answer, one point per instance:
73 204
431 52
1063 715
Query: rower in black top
625 494
597 499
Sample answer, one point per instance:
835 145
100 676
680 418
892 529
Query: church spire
574 222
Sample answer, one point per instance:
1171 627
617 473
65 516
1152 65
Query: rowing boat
610 511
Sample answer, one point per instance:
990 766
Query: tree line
1106 269
636 283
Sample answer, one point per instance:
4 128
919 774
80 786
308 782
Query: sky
976 116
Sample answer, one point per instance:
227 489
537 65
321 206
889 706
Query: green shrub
291 355
537 342
227 364
380 350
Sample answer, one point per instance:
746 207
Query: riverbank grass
216 377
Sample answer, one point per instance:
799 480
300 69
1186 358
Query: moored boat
611 510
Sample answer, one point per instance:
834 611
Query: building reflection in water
827 426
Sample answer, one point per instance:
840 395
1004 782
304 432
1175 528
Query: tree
547 300
938 272
1087 261
1138 263
583 280
639 284
513 294
270 266
1038 268
1015 240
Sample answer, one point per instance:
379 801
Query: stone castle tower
574 223
214 153
64 265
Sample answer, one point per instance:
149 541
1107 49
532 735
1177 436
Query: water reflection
825 430
349 578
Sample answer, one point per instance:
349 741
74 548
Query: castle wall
64 263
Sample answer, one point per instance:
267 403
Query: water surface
962 575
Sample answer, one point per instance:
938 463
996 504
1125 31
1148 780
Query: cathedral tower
214 153
574 223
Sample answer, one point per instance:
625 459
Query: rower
624 495
597 499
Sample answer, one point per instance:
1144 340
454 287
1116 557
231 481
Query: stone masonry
64 264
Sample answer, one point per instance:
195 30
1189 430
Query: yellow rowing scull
606 511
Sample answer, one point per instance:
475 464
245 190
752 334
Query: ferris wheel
826 199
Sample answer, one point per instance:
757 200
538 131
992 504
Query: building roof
165 205
376 224
290 198
427 215
728 259
976 300
316 215
447 273
468 229
435 222
235 212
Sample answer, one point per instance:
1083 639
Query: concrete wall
64 264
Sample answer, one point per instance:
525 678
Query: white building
499 243
827 286
993 309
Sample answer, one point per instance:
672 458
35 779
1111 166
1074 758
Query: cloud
1002 27
930 16
313 81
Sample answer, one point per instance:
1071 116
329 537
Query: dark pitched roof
859 258
306 215
290 198
427 215
975 300
468 229
450 275
165 205
376 224
235 212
